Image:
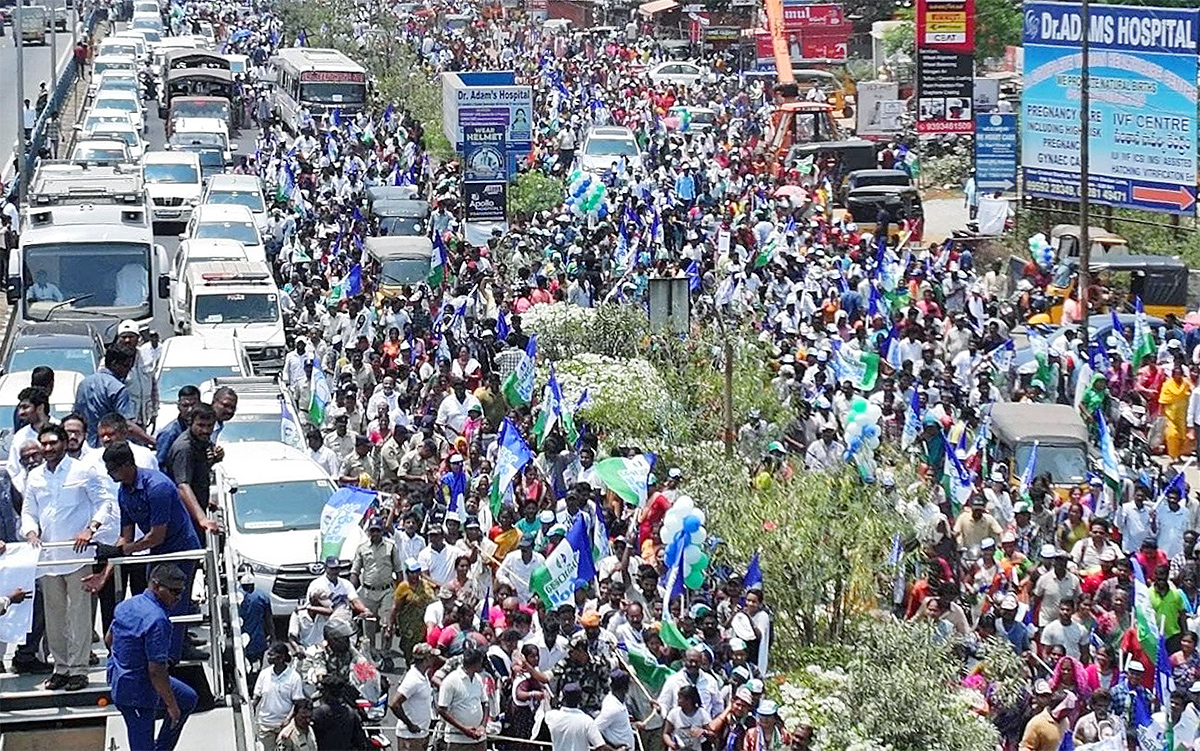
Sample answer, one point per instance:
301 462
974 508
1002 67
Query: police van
238 298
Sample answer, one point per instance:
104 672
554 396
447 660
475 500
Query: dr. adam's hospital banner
1142 65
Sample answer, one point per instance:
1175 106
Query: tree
997 25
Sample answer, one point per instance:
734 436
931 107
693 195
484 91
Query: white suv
271 497
173 183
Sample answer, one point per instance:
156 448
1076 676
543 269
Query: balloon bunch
684 534
863 436
1041 251
585 195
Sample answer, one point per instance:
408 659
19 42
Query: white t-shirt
439 566
682 723
276 693
462 697
571 729
341 594
418 704
613 722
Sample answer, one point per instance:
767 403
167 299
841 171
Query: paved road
37 69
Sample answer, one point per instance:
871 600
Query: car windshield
404 270
128 136
280 506
113 65
94 274
401 226
171 173
118 84
184 108
198 139
1067 465
333 93
170 380
236 307
598 146
243 232
117 103
252 201
79 360
259 428
84 153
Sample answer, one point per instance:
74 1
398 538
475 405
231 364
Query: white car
97 116
197 251
118 80
192 360
604 145
100 151
103 64
244 190
173 183
213 221
265 412
271 497
125 101
676 73
122 46
120 132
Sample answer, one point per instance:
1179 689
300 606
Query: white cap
128 327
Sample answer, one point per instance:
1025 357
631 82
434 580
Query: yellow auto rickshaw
1159 281
1056 430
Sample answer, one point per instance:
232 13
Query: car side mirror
164 286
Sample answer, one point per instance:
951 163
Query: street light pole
22 145
1085 102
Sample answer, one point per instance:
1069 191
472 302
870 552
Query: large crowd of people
436 617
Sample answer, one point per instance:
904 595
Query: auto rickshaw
1060 436
1160 281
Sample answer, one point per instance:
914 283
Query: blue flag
502 329
693 275
753 577
1177 483
354 285
912 421
302 39
289 431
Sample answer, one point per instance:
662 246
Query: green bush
533 192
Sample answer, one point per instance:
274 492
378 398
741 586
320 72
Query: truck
35 21
87 251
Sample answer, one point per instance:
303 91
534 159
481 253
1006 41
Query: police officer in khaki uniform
376 566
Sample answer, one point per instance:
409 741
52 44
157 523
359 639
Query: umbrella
792 191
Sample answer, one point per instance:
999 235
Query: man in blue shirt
148 500
186 400
104 391
255 612
139 645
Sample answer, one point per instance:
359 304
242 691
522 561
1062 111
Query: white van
271 496
240 299
192 252
190 361
173 183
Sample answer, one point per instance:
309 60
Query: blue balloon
691 523
602 211
870 431
580 190
674 550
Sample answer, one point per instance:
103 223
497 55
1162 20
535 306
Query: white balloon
665 535
852 431
672 528
673 513
699 536
699 514
684 504
873 442
874 413
691 554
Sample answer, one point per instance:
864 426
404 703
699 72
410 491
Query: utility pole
1085 127
22 144
53 9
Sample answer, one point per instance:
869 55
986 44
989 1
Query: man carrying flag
570 562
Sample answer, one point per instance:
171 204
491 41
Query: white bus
318 80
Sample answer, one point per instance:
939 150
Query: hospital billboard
1142 70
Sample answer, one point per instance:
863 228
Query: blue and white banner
1142 68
